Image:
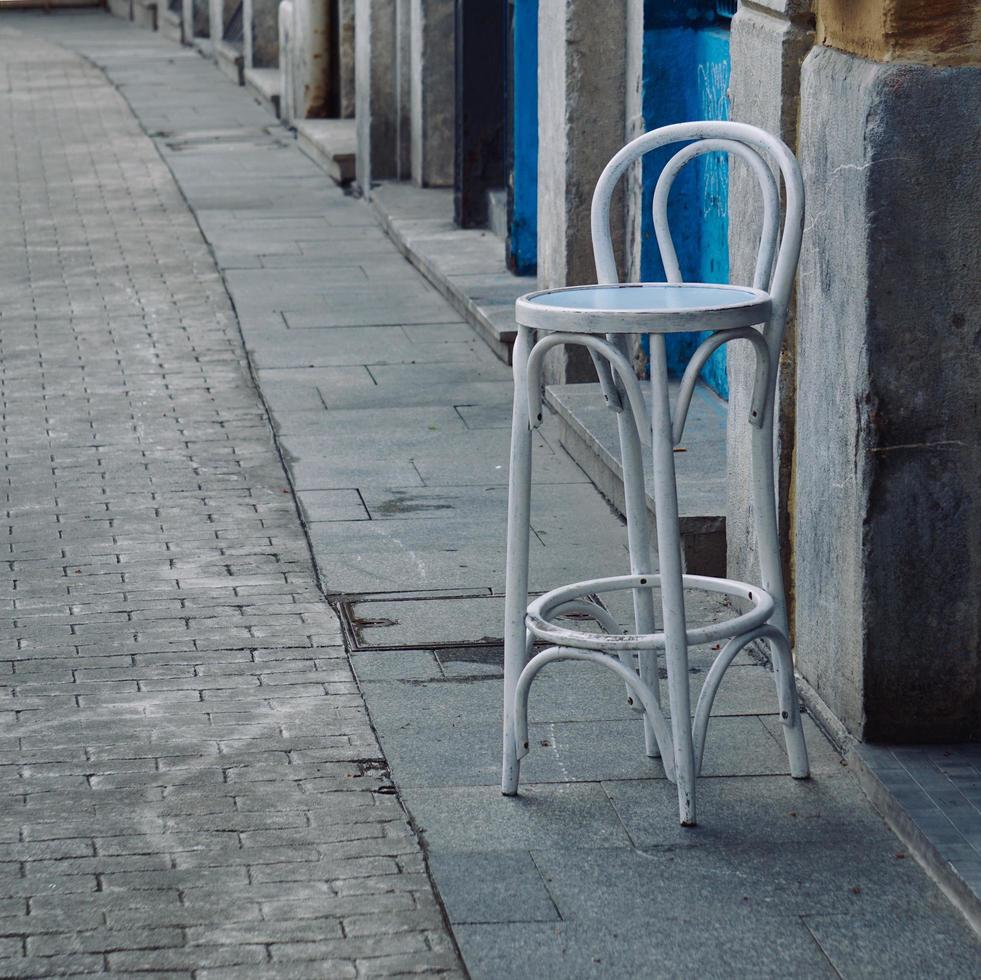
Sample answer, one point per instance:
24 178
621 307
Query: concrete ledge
264 84
957 877
332 144
145 14
588 433
171 25
466 266
230 60
121 8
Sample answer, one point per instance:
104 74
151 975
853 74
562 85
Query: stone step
588 432
332 144
121 8
145 14
265 84
171 25
497 212
230 60
466 265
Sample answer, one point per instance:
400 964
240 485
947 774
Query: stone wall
582 99
878 413
305 43
769 41
888 518
261 21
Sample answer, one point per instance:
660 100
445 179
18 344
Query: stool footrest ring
548 606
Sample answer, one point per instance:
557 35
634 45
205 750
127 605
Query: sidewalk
392 419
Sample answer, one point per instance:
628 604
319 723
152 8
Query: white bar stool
598 318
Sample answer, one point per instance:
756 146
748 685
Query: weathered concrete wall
261 40
376 90
287 111
432 97
582 84
634 126
216 19
888 517
219 14
769 41
196 15
345 59
403 83
304 45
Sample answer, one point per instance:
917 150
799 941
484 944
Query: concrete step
332 144
497 212
264 84
121 8
588 432
230 60
466 265
171 25
145 14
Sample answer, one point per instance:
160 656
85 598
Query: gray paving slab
889 944
674 949
567 816
516 892
779 881
346 364
769 808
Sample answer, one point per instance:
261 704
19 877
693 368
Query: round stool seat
542 610
645 307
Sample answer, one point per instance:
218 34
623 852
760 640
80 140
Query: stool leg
765 510
793 730
516 569
639 544
672 585
767 537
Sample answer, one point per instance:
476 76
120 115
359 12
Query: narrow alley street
255 492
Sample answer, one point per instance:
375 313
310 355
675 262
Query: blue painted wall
686 76
523 205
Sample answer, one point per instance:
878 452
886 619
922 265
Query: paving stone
464 818
775 808
667 949
857 945
160 699
855 879
513 891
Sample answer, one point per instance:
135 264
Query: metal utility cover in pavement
422 621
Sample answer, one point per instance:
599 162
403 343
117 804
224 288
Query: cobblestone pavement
393 421
190 782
